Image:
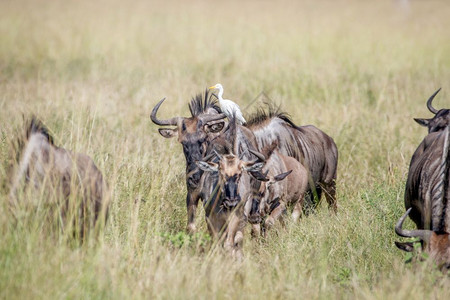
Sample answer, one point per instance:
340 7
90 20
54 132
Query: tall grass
360 71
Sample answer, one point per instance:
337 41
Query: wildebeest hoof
239 237
238 255
269 222
191 228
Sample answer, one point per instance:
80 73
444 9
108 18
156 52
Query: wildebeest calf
287 184
225 208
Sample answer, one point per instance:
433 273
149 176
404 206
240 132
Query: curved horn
424 235
212 117
217 154
257 154
209 156
430 107
173 121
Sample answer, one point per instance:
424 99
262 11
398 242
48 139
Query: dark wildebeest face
194 133
440 120
231 169
437 245
261 197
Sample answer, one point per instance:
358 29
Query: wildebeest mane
33 125
232 132
262 115
202 102
261 119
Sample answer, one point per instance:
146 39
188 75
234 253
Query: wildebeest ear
167 132
259 176
256 167
282 176
422 122
207 166
406 246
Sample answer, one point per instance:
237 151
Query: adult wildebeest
194 133
287 184
428 179
307 144
66 175
427 192
225 206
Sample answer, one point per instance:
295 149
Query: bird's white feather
229 108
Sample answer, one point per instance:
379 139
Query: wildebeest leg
233 224
330 195
308 205
318 195
233 242
252 210
256 230
274 215
297 212
191 203
238 240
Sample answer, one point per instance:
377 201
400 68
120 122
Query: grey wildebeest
287 184
427 192
307 144
72 178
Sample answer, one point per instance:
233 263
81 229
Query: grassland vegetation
92 71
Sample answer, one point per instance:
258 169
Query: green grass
93 72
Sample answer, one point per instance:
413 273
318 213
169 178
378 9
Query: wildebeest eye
213 128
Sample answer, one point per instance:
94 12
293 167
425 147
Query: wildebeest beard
196 150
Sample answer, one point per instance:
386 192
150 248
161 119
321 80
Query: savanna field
93 71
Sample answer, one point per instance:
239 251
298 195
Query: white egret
228 107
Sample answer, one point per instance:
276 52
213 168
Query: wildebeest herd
247 171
